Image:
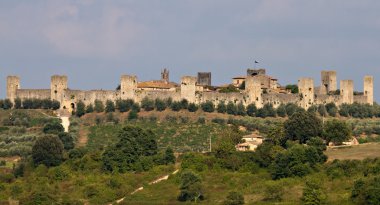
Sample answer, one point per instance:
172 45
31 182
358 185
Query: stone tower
254 72
306 90
58 85
128 87
368 89
347 91
188 88
254 92
13 84
329 83
165 75
204 78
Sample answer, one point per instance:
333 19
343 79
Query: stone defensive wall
254 92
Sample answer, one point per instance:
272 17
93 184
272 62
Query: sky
95 42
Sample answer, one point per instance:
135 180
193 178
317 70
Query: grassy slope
362 151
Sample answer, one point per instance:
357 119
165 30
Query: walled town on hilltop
254 88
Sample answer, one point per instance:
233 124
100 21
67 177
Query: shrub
234 198
208 106
218 121
201 120
48 150
133 115
273 191
332 109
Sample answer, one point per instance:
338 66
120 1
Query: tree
176 106
53 128
89 108
234 198
190 187
281 110
221 108
110 106
229 89
332 109
251 110
7 104
313 194
147 104
266 111
292 88
130 152
169 157
322 110
55 105
231 108
48 150
184 103
241 109
208 106
80 111
99 107
18 104
336 131
366 191
67 140
123 106
303 126
192 107
292 108
160 105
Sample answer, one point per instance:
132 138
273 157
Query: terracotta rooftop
240 77
156 84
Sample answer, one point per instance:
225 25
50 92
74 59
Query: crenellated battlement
259 89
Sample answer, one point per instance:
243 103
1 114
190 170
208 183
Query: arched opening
64 107
73 106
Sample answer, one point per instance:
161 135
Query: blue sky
94 42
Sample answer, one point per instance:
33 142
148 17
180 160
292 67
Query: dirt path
166 177
83 136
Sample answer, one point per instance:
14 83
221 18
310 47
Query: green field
358 152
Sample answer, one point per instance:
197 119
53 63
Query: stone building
260 89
